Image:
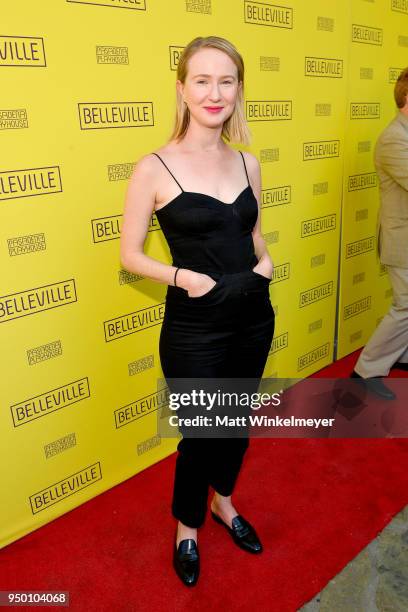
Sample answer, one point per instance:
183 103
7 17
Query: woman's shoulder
252 163
148 161
250 157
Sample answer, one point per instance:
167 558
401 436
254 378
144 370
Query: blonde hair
401 88
235 128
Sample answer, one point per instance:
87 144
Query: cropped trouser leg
225 333
389 342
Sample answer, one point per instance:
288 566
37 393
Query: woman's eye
224 82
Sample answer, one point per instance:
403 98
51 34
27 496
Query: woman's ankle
184 532
220 501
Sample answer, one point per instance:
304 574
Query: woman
219 321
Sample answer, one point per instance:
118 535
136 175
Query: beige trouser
389 342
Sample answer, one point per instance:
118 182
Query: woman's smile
213 109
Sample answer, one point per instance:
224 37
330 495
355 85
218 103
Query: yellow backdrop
87 89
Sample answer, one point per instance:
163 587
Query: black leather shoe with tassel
242 532
186 561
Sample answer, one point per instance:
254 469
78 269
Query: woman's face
211 86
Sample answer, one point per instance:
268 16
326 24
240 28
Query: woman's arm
265 264
138 209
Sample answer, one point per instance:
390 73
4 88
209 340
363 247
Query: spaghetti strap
169 171
243 159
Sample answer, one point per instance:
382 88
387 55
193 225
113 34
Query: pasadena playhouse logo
32 301
268 110
276 196
318 260
393 73
146 445
137 5
13 119
200 6
323 67
30 182
112 55
48 402
44 352
321 149
23 51
133 322
120 172
60 445
64 488
400 6
21 245
104 115
268 14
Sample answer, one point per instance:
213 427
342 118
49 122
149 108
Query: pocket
261 276
210 292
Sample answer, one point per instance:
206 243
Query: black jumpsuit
227 332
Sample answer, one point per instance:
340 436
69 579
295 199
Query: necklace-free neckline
205 195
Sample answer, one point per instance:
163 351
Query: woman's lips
213 109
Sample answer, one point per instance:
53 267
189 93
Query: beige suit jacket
391 162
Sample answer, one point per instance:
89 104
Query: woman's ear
180 87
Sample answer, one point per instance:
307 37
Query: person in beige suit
388 346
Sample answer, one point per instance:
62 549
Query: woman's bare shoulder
253 166
147 164
250 158
145 170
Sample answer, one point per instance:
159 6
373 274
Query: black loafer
375 385
242 533
186 561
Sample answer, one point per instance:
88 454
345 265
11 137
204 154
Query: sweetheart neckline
206 195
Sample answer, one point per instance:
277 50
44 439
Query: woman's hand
195 283
264 266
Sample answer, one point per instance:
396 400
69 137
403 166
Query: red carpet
315 503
